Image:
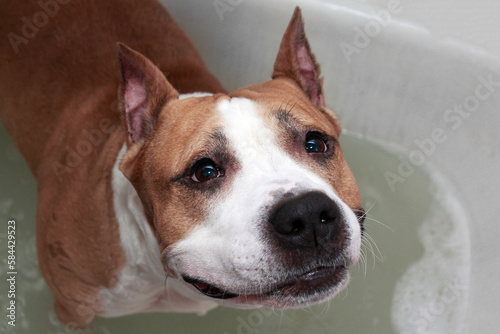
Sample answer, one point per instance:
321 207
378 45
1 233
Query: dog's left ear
296 61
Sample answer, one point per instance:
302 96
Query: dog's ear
296 61
143 92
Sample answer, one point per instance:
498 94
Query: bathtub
420 115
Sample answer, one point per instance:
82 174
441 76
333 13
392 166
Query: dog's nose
307 221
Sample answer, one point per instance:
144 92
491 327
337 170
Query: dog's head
248 193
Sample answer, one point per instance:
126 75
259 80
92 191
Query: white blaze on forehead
228 248
265 166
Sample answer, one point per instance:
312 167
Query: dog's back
58 65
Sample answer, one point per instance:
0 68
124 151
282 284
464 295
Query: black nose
307 221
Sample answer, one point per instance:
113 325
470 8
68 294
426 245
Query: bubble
431 295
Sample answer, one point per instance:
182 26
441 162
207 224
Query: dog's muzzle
307 236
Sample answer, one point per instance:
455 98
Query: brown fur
179 139
65 81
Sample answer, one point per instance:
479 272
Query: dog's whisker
362 262
281 318
370 248
365 260
379 222
166 295
371 206
325 309
345 292
374 243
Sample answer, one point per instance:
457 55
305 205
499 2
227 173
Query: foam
431 296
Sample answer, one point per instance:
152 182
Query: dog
148 169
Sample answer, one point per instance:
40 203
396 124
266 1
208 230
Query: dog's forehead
282 95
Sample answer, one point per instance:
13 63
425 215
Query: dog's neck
137 238
142 284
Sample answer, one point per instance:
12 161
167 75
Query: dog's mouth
309 283
209 289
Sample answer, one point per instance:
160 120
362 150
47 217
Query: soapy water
413 277
431 296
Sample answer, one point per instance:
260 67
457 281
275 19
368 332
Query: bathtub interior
425 178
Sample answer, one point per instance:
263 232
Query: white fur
142 284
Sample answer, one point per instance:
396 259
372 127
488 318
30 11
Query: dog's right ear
143 93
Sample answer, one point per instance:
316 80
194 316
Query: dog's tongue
209 290
202 286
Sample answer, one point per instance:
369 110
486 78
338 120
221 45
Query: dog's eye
205 170
315 144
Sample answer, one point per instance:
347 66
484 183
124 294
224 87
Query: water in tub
413 277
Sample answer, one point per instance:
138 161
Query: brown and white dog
241 199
